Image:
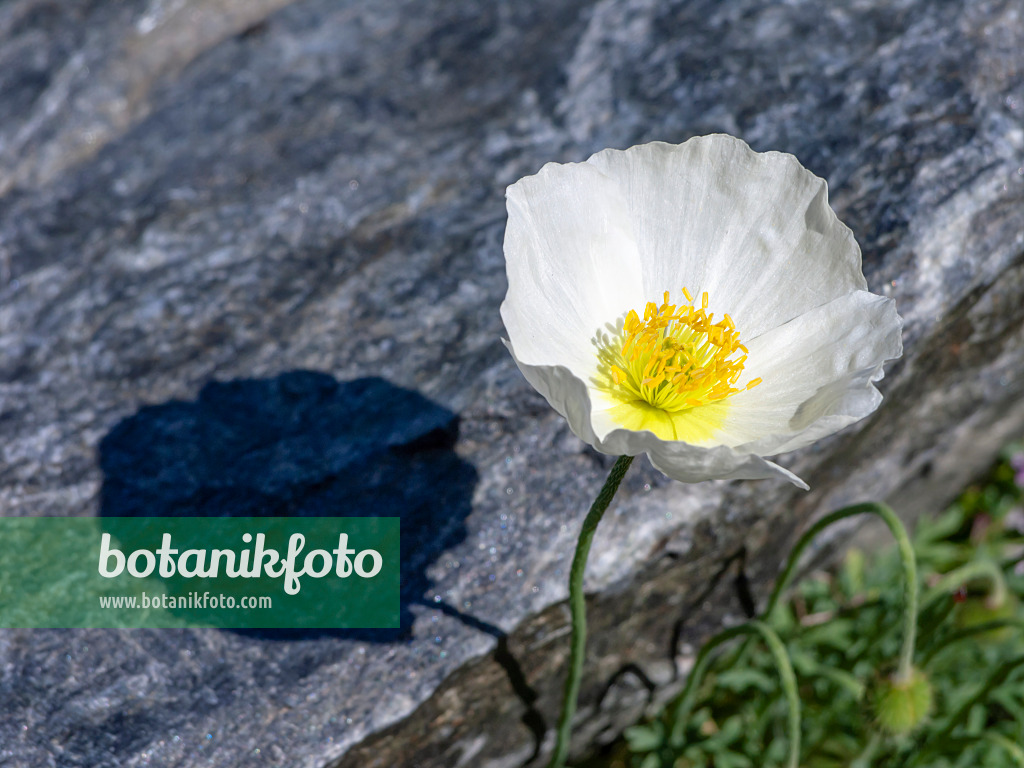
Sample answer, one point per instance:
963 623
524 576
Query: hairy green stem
685 704
976 569
578 606
906 550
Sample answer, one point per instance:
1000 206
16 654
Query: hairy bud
901 705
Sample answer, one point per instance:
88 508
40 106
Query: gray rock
230 191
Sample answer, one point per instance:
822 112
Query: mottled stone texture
243 192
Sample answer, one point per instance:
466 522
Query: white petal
572 264
817 372
753 229
566 393
570 397
691 463
721 463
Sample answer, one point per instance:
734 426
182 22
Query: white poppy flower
700 303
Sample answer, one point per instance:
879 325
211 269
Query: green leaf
740 680
645 738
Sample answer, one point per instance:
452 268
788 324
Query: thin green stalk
976 569
685 704
578 606
906 550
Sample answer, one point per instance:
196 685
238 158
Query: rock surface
234 191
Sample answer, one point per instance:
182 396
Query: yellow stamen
674 359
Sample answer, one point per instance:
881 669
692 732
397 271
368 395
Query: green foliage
963 707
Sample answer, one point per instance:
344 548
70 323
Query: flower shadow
301 444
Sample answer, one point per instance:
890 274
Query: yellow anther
754 382
677 357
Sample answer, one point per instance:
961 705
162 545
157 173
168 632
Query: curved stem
906 550
977 569
578 607
785 668
681 713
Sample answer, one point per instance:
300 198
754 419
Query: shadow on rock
299 444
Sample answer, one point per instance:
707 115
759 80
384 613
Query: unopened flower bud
902 704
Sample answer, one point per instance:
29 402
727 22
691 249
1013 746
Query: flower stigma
671 370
